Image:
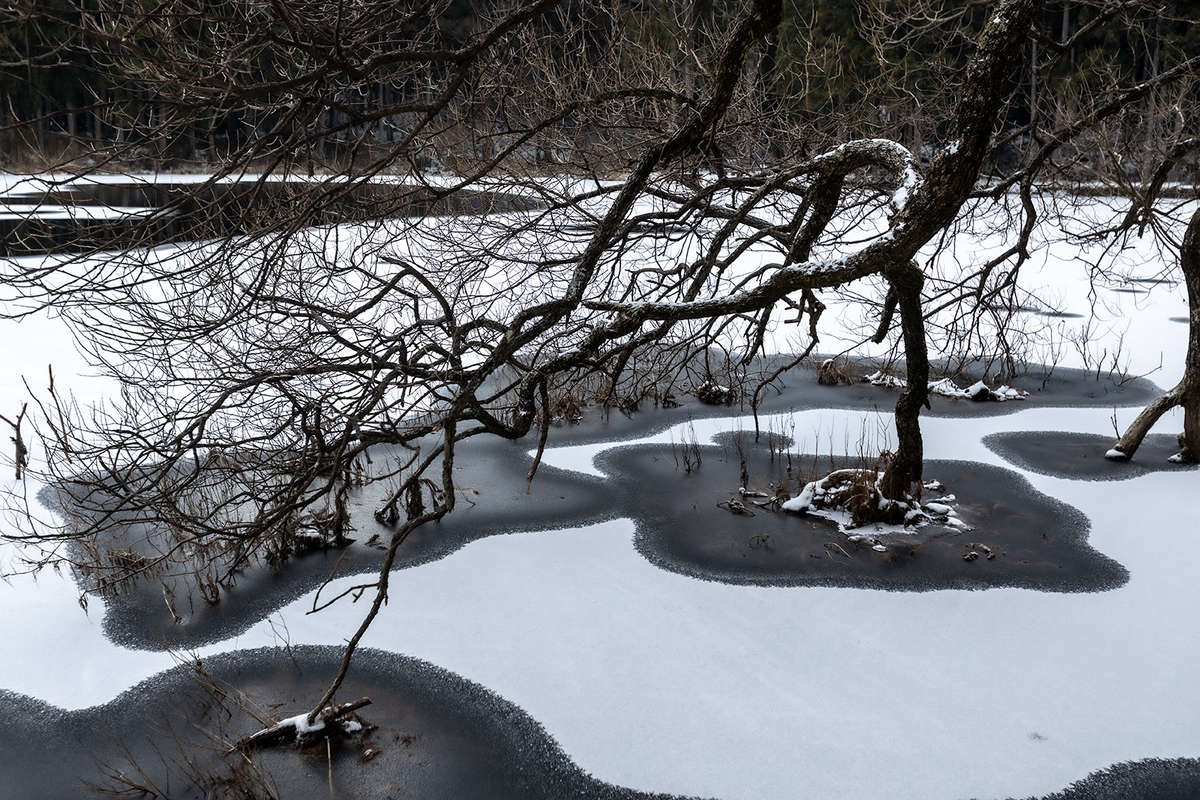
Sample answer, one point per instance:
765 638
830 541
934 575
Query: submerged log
328 722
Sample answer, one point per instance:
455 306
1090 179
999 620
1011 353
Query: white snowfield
661 682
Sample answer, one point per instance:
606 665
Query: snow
945 387
1009 393
881 378
302 725
803 501
910 181
814 499
660 682
53 212
976 389
901 160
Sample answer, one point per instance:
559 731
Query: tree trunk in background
905 468
1187 392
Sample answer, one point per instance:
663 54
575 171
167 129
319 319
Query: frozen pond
656 680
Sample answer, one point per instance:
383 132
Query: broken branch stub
21 452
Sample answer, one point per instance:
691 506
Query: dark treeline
837 67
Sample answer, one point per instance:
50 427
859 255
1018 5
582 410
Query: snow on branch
892 156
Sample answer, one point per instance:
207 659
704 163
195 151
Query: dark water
436 736
1080 456
1033 541
492 501
493 486
177 212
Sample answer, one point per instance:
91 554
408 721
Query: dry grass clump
857 492
834 372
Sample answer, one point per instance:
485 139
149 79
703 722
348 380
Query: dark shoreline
798 390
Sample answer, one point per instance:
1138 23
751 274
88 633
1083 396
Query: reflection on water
77 218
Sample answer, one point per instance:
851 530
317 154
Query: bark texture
902 478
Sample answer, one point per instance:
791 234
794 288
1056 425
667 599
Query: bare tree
1144 215
1187 392
1126 132
273 356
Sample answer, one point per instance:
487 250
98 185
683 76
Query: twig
735 506
839 548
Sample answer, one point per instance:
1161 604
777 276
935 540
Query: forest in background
831 69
